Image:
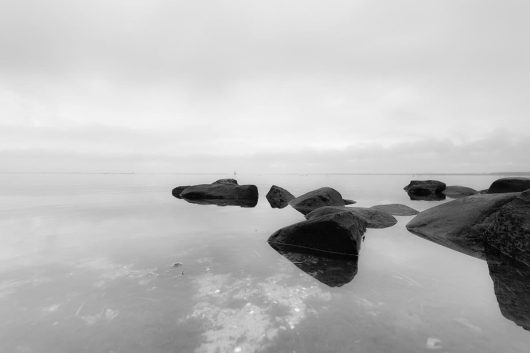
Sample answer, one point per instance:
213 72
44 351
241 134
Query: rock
333 272
373 218
456 191
509 185
429 190
396 209
335 235
511 285
508 229
317 198
178 190
459 224
226 181
279 197
348 202
222 194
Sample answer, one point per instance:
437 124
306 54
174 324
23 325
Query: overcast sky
268 86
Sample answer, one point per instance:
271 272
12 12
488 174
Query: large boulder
178 190
222 193
372 217
317 198
335 235
456 191
429 190
509 185
396 209
511 283
461 224
279 197
333 272
508 229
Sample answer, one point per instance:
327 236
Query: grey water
114 263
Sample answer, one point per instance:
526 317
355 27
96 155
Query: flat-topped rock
278 197
312 200
429 190
509 185
373 218
335 235
396 209
348 202
222 193
457 191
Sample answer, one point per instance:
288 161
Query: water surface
114 263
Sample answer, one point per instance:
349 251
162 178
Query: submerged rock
461 224
511 283
348 202
337 235
178 190
396 209
456 191
372 217
222 194
428 190
333 272
509 185
279 197
317 198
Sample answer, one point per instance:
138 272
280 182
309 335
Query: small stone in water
177 264
433 343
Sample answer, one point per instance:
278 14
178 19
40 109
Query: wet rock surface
427 190
336 235
312 200
372 217
178 190
461 224
396 209
333 272
278 197
509 185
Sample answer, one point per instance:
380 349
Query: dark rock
428 190
456 191
279 197
373 218
317 198
460 224
508 229
178 190
509 185
396 209
222 194
511 283
348 202
333 272
226 181
335 235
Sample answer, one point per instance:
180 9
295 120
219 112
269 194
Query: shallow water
114 263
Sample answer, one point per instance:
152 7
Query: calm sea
114 263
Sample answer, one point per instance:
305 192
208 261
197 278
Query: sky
264 86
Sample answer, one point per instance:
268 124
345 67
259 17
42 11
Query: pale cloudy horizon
299 86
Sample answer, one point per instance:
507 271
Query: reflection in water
511 282
333 272
511 279
248 203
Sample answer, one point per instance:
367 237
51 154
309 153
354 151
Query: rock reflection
511 283
333 272
247 203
